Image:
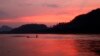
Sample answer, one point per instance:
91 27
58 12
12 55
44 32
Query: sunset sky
18 12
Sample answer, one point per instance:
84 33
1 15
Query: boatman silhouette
36 36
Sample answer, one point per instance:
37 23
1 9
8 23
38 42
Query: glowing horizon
43 12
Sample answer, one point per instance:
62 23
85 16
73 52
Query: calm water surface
49 45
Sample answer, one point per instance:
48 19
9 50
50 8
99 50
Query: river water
49 45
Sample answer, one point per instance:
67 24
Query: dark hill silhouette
30 28
60 28
85 23
92 17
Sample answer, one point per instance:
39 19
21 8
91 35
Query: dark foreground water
49 45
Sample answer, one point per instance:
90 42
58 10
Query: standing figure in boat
36 36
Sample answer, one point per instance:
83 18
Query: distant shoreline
51 33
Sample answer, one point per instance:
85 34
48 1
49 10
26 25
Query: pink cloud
44 11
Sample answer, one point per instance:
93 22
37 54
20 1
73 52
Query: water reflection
48 47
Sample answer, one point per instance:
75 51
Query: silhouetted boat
28 36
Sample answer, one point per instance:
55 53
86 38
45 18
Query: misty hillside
5 28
